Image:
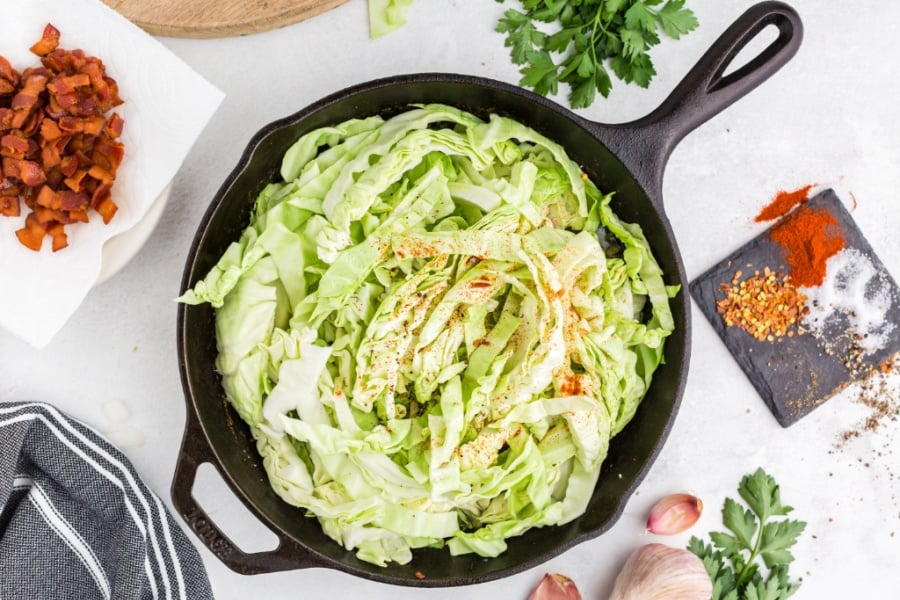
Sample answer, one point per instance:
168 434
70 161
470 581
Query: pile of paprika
810 237
782 203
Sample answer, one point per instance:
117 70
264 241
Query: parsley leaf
676 20
593 39
732 559
540 74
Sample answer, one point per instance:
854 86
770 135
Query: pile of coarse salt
856 290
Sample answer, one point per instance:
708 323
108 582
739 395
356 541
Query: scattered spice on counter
783 202
810 237
872 439
879 393
767 305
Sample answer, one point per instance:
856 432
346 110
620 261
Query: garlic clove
674 514
555 587
660 572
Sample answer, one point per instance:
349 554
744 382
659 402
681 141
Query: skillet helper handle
194 452
645 144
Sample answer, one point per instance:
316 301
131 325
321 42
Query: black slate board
797 374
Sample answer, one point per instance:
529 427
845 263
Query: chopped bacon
74 181
103 204
79 216
6 117
31 173
51 155
68 165
58 237
26 171
92 125
50 130
114 125
64 102
87 105
47 197
49 41
68 84
108 153
10 206
14 145
101 174
47 215
59 150
32 235
7 73
32 86
32 125
74 201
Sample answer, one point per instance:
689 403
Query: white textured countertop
830 117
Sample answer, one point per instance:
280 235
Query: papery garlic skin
555 587
674 513
660 572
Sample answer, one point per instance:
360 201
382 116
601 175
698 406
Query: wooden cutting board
217 18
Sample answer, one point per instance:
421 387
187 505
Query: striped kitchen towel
76 521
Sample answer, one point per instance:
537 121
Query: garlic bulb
674 513
555 587
660 572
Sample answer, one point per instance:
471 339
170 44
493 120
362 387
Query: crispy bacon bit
47 198
46 215
74 201
10 206
57 233
26 171
6 117
59 150
48 42
102 202
14 145
32 235
7 73
114 125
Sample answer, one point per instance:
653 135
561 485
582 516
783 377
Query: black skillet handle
194 452
644 145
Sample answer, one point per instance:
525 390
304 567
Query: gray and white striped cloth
76 521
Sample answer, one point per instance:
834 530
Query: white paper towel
166 106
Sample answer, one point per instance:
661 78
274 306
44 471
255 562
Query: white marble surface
831 116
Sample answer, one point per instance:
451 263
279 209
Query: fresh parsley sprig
594 37
732 559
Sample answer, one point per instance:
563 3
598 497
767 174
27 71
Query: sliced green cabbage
386 16
426 336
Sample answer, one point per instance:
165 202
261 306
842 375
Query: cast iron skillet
628 158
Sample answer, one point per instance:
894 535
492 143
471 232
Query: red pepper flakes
766 305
